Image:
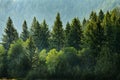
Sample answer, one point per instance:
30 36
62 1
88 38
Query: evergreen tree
58 38
25 33
115 22
84 22
32 29
36 33
94 37
93 16
10 34
75 34
44 36
31 52
67 34
101 16
108 31
117 37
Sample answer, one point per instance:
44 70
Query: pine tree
94 36
44 36
108 31
101 16
36 33
10 35
117 36
67 34
31 51
93 16
32 29
25 34
115 22
84 22
58 38
75 34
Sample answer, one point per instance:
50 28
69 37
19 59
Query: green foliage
31 52
106 64
94 37
18 61
84 22
43 55
10 34
44 36
75 34
93 16
2 61
58 36
101 16
87 52
68 63
36 33
52 61
67 34
25 34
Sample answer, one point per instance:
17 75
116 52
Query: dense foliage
79 51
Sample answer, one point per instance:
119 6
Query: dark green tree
109 31
25 33
117 36
10 35
84 22
32 29
93 16
44 36
31 52
3 62
75 34
58 37
101 16
67 34
68 61
36 33
18 65
106 64
94 37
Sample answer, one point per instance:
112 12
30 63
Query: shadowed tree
58 37
44 36
25 33
75 34
10 34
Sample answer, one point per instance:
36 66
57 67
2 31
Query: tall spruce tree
67 34
58 37
84 22
25 33
108 31
44 36
36 33
115 22
94 35
93 16
117 36
75 34
10 35
31 51
101 16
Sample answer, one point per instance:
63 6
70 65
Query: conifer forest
87 49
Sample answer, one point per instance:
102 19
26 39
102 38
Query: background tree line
87 50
